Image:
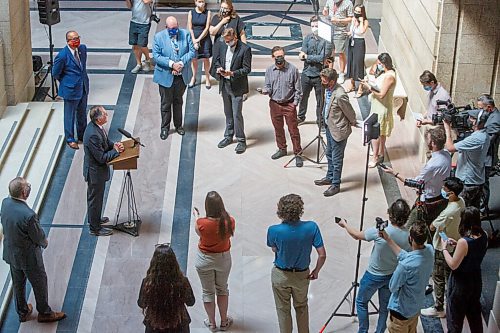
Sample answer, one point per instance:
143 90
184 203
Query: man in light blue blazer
70 69
173 50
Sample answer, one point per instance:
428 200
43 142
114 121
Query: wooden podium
127 160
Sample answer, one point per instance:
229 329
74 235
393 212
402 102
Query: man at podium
99 150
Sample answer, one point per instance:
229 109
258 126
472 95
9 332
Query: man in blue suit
173 50
70 69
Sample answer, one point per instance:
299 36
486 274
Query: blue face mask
380 67
427 88
173 32
445 194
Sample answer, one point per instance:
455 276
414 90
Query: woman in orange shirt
213 262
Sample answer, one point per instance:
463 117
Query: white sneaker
341 78
225 326
432 312
136 69
146 66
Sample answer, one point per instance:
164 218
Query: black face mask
356 15
224 12
279 60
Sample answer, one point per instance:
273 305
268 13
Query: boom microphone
128 135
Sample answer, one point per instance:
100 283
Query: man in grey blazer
173 50
22 250
338 116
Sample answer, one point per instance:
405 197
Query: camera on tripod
418 184
155 18
457 116
381 224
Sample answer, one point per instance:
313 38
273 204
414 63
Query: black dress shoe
241 147
298 161
279 154
225 142
322 182
105 219
102 232
180 131
164 134
332 190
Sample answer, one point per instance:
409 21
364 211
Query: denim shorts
138 34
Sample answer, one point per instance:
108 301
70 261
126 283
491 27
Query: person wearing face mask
472 152
381 103
338 116
313 53
227 18
357 48
433 174
173 50
198 26
492 127
447 222
340 13
232 62
23 242
436 93
282 84
70 69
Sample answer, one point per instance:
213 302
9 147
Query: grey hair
96 112
17 186
67 34
486 100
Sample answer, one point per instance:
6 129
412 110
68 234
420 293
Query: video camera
457 116
381 224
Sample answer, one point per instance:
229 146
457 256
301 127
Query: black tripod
53 83
354 286
320 149
133 223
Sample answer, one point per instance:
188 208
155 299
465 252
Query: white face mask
200 4
314 30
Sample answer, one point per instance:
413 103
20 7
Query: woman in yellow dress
381 98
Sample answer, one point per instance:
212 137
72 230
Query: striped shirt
340 11
283 85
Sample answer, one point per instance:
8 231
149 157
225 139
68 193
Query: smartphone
443 236
337 219
383 166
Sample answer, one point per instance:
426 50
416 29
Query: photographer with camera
472 153
445 226
436 93
408 282
140 24
382 262
432 176
492 127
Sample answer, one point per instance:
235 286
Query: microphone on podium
128 135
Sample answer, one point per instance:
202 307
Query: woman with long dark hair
227 18
164 294
465 281
213 262
357 48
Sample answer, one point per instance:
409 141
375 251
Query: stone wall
3 92
15 29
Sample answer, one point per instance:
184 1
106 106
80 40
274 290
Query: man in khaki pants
292 241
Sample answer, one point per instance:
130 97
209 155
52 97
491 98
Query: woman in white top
357 47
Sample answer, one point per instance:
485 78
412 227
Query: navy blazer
72 76
163 53
98 152
241 66
23 235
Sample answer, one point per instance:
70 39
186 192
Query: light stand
371 130
49 71
133 223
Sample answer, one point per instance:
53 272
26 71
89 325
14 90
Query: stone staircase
31 139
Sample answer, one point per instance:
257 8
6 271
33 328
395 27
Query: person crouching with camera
382 262
472 153
435 171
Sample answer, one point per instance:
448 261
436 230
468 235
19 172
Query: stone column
17 65
3 92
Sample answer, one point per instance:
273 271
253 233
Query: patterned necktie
77 57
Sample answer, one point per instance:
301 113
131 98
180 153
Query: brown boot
26 317
51 317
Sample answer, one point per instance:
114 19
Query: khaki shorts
340 41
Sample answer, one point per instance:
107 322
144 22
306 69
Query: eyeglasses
74 38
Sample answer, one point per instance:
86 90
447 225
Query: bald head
19 188
172 22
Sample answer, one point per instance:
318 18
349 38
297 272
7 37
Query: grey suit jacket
341 116
23 235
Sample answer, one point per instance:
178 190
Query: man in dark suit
70 69
232 62
173 50
22 250
99 150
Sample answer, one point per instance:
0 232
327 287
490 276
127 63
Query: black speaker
49 11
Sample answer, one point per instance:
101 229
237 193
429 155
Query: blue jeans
367 287
335 157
